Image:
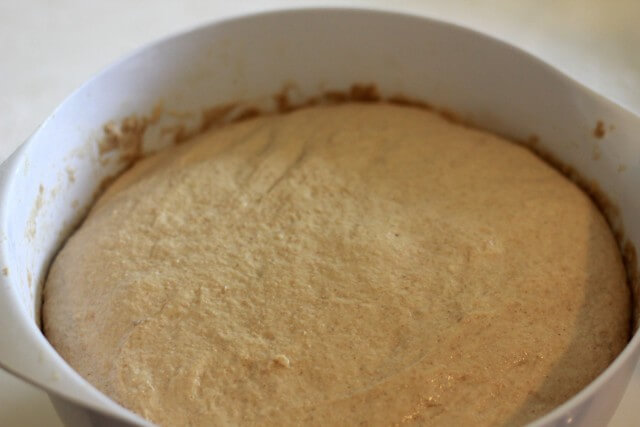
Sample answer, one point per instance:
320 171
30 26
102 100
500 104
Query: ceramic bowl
247 59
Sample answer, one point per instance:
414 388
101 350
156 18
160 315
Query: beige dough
340 265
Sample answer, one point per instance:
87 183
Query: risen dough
340 265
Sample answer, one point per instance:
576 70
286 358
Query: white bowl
249 59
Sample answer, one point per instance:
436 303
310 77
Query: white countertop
51 47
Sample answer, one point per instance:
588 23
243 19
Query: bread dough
361 264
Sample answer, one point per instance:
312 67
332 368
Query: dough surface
340 265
